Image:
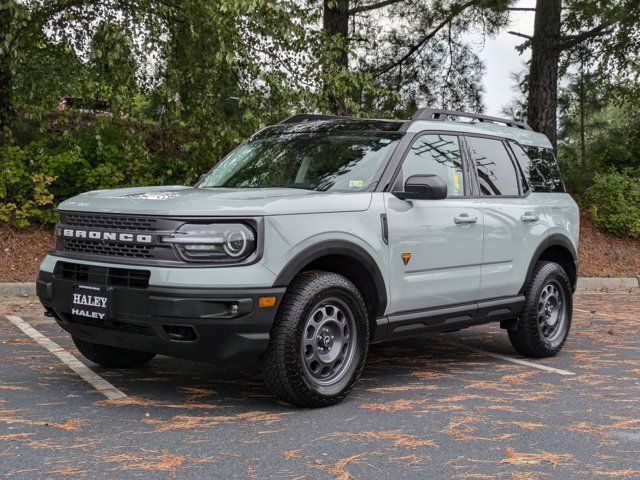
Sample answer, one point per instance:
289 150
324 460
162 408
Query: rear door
435 246
514 224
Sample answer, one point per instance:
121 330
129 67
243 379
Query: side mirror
423 187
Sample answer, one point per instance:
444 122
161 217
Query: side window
540 168
497 174
438 155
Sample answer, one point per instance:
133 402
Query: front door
435 246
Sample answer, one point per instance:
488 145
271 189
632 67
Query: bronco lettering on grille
110 236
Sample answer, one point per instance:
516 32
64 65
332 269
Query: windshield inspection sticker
385 141
356 183
456 181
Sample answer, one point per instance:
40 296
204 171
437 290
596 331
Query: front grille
126 239
109 222
119 277
108 248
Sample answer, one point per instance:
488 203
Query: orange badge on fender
406 257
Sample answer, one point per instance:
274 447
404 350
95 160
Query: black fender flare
556 239
336 247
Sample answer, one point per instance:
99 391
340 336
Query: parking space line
506 358
89 376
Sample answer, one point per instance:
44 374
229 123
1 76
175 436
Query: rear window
540 168
497 174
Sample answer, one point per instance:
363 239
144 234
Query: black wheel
318 342
546 318
112 357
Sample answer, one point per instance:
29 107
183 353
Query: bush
46 162
614 202
24 193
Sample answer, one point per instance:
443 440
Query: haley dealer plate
89 301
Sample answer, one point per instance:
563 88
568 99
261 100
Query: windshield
313 161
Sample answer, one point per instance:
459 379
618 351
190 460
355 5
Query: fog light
233 309
266 301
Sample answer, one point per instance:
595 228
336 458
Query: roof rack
441 115
310 117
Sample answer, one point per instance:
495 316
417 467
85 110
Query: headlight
216 242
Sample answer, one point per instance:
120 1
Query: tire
112 357
319 340
543 328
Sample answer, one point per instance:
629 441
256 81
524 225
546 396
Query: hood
190 201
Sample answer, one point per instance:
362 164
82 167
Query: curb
28 289
618 282
20 289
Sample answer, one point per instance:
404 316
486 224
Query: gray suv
317 237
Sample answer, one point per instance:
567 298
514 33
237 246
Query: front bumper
195 323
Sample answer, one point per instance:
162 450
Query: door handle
529 217
465 219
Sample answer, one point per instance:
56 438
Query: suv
317 237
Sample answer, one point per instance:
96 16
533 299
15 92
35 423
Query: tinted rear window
497 174
540 168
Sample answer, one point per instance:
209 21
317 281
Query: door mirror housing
423 187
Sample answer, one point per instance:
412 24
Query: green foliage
72 153
614 202
600 126
24 195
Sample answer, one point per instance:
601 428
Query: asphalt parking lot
429 407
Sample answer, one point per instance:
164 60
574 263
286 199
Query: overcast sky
501 59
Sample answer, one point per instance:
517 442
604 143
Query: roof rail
441 114
310 117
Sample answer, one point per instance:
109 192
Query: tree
113 65
601 24
8 13
414 47
22 25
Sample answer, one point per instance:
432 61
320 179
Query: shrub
46 162
24 194
614 202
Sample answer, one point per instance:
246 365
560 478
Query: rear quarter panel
563 216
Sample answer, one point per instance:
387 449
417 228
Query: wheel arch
349 260
556 248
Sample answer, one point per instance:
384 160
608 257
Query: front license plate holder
90 302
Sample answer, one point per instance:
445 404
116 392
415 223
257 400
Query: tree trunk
5 65
583 114
335 23
543 74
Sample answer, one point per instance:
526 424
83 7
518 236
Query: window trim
504 141
390 175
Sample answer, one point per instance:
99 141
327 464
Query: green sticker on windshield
356 183
385 141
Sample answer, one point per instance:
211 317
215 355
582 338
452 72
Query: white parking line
92 378
506 358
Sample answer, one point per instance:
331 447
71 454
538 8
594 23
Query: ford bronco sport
318 236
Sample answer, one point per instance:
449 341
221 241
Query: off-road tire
527 337
112 357
285 365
